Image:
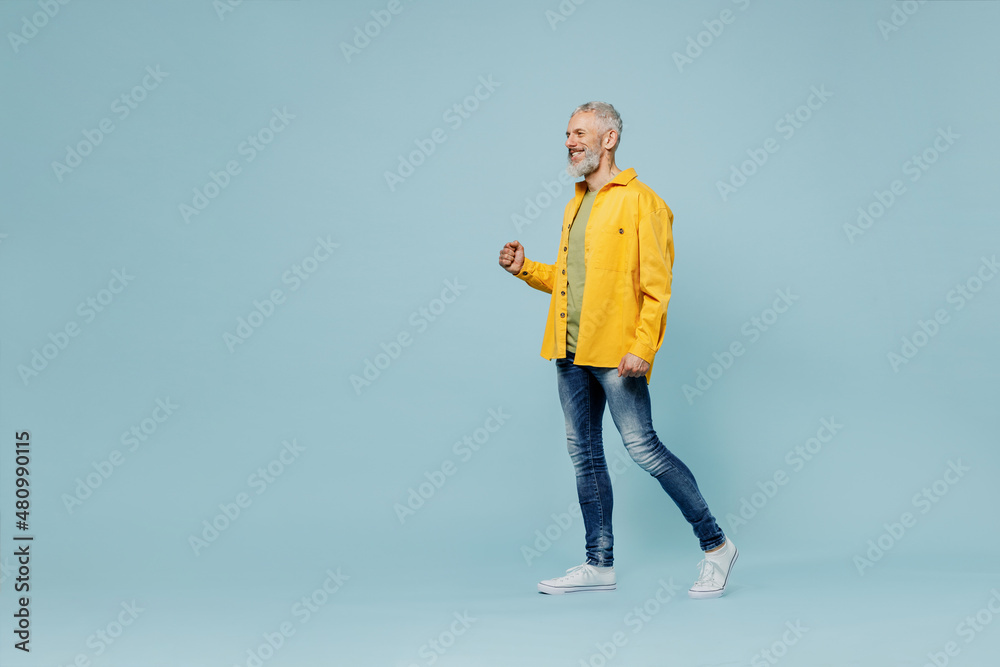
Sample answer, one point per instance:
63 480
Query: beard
590 161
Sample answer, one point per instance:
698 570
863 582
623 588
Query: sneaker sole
554 590
708 595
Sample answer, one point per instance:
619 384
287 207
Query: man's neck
600 177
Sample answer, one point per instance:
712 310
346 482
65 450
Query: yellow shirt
629 259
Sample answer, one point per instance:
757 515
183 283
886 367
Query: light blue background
323 176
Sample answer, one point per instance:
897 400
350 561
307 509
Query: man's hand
512 257
632 366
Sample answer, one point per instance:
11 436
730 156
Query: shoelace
573 570
708 569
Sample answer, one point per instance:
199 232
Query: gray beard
590 162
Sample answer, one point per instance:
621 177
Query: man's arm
656 261
537 275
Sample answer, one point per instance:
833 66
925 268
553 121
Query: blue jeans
583 391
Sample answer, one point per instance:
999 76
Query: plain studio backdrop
285 408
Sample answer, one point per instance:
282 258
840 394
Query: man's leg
583 402
583 406
628 400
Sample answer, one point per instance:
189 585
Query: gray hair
607 117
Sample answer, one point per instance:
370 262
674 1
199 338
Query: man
610 286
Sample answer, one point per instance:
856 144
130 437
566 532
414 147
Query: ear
610 139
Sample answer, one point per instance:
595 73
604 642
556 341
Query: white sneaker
715 569
580 578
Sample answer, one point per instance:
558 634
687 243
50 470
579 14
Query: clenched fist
512 257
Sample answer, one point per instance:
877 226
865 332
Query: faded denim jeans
584 391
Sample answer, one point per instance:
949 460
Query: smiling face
584 144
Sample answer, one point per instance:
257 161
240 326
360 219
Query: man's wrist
643 352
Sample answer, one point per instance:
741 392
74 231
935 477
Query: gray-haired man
610 286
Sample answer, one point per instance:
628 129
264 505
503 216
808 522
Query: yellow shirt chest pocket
609 246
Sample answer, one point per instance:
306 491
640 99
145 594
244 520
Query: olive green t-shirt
576 272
